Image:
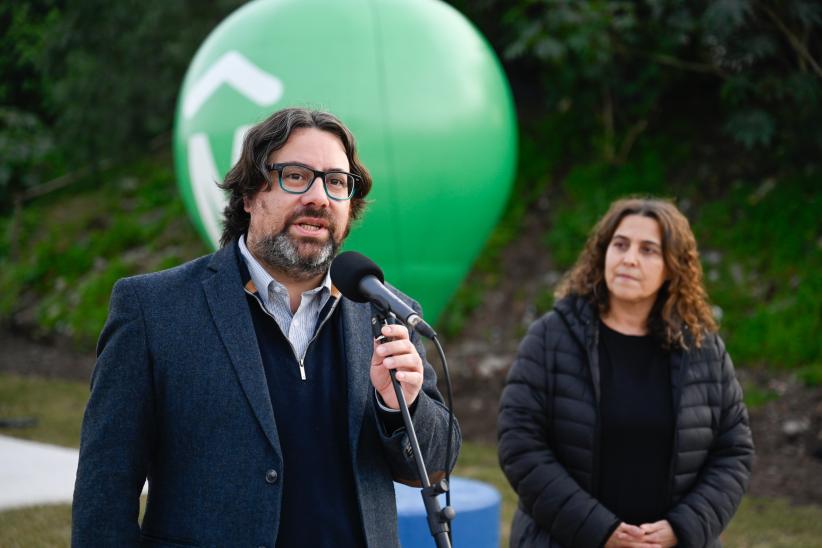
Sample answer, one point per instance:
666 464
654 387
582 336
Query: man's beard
282 252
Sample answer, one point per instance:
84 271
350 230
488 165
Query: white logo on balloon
260 87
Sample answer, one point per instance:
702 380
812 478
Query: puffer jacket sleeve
547 492
702 514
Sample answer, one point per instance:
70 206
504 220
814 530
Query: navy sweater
319 506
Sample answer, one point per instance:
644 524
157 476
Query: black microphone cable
448 443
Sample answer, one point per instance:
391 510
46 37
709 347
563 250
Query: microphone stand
439 519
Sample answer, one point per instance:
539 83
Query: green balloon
420 89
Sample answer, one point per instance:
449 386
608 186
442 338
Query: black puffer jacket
548 430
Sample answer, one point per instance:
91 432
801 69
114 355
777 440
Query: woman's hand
660 533
631 536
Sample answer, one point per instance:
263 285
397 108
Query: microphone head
347 271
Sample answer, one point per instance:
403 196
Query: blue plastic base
477 524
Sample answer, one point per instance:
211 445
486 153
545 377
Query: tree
116 68
752 68
90 81
25 139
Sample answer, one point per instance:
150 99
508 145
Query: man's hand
401 355
660 532
630 536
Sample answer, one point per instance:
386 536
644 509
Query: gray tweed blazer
179 398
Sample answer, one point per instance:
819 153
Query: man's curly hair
249 175
681 303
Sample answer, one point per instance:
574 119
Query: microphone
361 280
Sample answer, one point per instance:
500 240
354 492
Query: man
247 391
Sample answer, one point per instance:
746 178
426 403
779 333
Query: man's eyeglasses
297 179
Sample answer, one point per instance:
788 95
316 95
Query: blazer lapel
229 310
358 349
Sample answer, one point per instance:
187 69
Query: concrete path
34 473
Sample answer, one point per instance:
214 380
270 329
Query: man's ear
247 204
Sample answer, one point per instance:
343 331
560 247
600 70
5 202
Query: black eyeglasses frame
356 179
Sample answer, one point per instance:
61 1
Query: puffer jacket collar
580 316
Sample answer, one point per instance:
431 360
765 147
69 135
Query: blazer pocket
162 542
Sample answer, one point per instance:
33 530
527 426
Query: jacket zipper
677 397
300 360
592 349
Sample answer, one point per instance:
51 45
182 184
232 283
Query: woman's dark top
637 426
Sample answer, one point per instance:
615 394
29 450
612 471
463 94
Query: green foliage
751 127
76 245
750 70
467 298
762 242
97 79
811 375
591 188
544 302
25 147
755 396
105 107
27 152
611 88
766 280
26 28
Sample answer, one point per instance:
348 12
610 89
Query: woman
621 423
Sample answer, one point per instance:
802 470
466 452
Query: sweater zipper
300 360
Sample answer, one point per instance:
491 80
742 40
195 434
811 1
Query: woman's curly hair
249 175
682 302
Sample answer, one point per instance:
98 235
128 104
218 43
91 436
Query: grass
58 406
479 462
42 526
774 523
759 523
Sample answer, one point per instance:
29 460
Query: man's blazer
179 397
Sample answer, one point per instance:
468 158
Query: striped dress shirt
299 326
